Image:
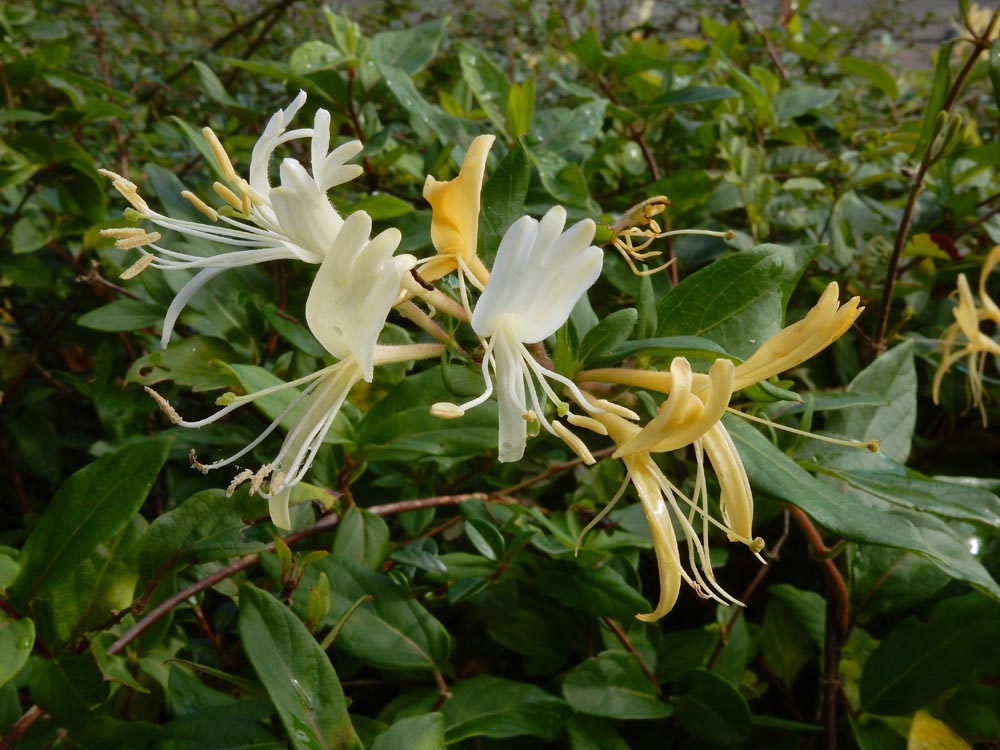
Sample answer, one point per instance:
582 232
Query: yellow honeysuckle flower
978 345
691 415
455 217
665 505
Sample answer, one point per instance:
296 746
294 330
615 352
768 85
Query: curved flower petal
539 274
294 220
354 289
455 213
827 321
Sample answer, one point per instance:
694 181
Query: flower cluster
542 269
965 338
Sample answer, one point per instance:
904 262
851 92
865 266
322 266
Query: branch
623 638
326 523
20 727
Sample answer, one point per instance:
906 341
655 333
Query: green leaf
773 472
447 128
383 206
391 630
945 499
296 673
488 706
489 84
234 726
607 335
590 733
424 732
103 582
738 301
709 707
113 667
17 638
884 579
503 200
798 100
207 526
893 378
872 72
693 95
362 538
410 49
916 661
662 350
93 505
600 591
612 685
400 426
194 362
122 315
934 102
784 644
215 88
520 107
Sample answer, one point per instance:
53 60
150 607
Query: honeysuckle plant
528 367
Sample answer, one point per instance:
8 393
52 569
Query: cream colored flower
293 220
539 274
354 289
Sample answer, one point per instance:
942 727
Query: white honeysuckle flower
357 284
292 220
539 274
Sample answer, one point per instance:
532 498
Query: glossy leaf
390 630
362 538
209 525
612 685
296 673
488 706
96 503
917 661
711 708
738 301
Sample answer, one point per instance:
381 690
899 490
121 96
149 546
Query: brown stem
623 638
915 185
553 470
323 524
20 727
837 586
771 51
831 674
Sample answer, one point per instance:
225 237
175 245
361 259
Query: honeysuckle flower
293 220
539 274
978 345
455 217
665 506
692 415
356 285
638 225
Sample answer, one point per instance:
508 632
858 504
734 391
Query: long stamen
872 445
603 512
